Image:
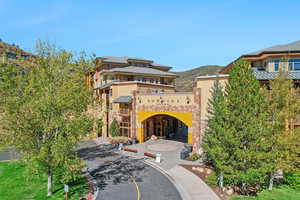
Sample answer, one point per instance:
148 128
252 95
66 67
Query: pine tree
114 128
247 122
284 107
214 141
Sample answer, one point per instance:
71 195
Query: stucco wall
206 84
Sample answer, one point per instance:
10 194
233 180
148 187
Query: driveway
8 154
120 177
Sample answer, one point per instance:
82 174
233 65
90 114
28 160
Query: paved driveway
120 177
8 154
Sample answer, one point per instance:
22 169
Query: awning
123 99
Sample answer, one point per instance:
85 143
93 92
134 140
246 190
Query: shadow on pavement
112 168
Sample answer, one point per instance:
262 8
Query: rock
200 169
229 191
153 137
208 171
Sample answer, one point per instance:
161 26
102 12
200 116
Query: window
110 92
294 64
276 65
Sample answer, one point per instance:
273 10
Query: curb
183 193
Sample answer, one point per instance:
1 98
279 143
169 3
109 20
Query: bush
212 179
114 128
293 179
194 157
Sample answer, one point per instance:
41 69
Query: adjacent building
265 63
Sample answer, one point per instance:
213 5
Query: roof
123 99
105 85
139 70
290 47
265 75
122 59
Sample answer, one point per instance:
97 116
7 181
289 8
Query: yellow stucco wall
186 118
206 85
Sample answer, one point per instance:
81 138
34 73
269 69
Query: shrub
212 179
293 179
114 128
194 157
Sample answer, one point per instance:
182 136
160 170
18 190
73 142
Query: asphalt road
120 177
8 154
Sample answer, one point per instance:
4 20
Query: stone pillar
196 127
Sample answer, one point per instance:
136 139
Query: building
265 63
141 96
12 53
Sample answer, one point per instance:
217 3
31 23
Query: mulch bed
203 172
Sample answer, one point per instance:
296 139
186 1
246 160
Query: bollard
130 150
157 158
120 147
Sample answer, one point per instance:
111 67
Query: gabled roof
122 59
293 47
290 47
139 70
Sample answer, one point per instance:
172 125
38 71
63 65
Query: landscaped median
17 183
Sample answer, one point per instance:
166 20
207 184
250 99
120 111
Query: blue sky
182 34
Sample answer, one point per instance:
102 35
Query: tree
284 107
114 128
99 124
44 110
215 140
247 128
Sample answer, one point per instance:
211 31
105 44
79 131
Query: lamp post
66 189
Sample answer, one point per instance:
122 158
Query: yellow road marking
133 180
136 185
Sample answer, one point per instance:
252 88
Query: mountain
185 81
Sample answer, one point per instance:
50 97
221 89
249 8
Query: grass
16 184
280 193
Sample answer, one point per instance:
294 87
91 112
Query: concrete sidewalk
193 185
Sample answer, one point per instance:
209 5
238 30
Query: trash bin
188 147
184 154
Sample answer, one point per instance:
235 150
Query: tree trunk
271 180
221 180
49 184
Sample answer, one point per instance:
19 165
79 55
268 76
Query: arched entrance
165 126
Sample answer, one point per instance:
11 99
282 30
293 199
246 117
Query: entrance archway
184 117
165 126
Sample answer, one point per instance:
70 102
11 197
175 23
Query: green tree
44 110
215 140
114 128
99 124
284 107
247 128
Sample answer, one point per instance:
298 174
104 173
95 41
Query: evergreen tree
215 140
247 122
114 128
44 111
284 107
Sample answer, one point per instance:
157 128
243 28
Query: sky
180 33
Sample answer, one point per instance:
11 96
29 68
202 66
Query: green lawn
15 184
280 193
